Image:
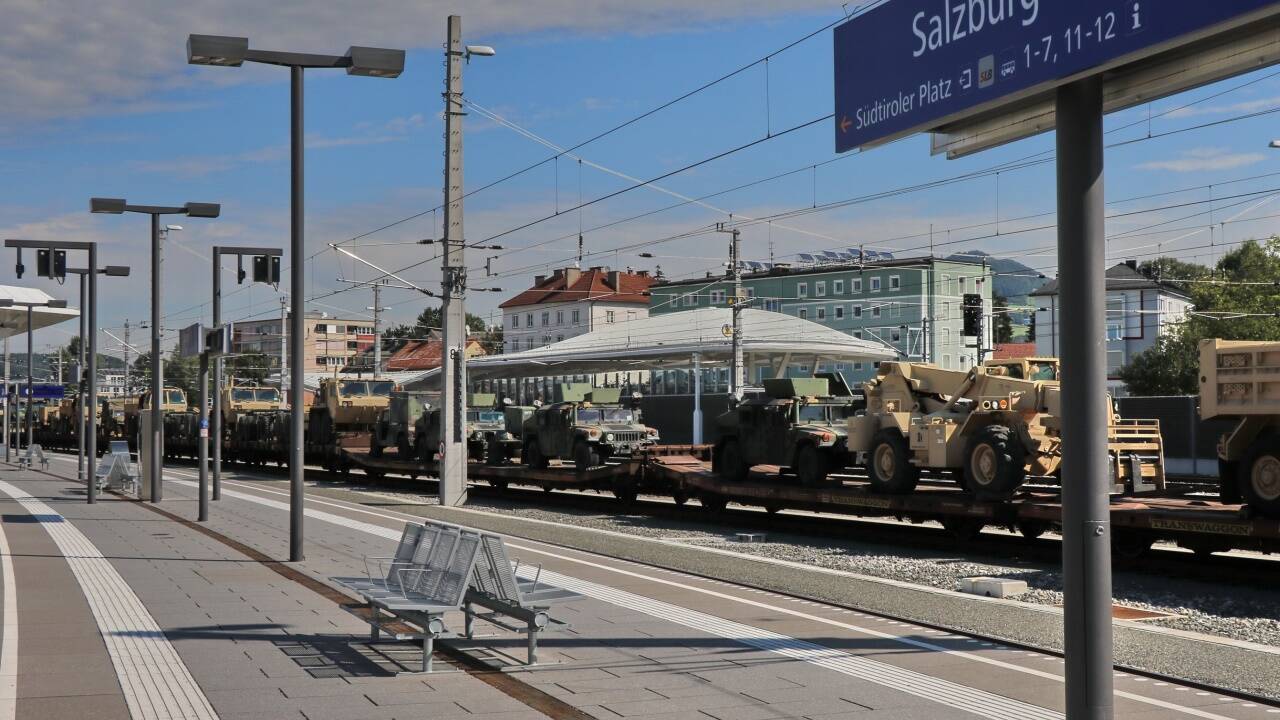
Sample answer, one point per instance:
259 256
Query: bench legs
533 644
428 649
468 613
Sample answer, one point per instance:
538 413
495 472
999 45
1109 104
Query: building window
946 361
690 299
875 284
802 290
875 311
946 336
857 312
895 336
839 312
515 321
946 310
577 316
837 287
855 285
546 340
804 314
515 345
528 320
559 317
820 288
857 334
528 343
897 309
546 318
857 366
773 305
963 287
822 313
895 282
717 297
751 292
946 285
608 316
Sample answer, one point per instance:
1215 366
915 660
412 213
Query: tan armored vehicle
343 405
1240 380
991 426
241 399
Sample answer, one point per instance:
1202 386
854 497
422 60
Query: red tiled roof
425 354
1009 351
593 284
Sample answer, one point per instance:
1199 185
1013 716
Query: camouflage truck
240 400
585 425
486 432
343 405
798 423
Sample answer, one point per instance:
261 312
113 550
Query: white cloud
1202 159
72 59
1246 106
201 165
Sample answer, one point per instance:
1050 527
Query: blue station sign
912 65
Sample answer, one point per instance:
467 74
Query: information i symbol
1137 16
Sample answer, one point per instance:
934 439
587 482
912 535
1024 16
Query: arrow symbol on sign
845 123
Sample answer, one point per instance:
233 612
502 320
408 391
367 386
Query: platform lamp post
83 382
365 61
116 206
266 268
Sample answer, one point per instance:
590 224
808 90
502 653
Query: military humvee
343 405
398 426
797 423
586 425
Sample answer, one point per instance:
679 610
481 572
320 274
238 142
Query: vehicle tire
713 503
731 464
1229 482
1032 529
994 463
889 465
812 466
964 529
584 457
1128 544
1260 475
537 460
498 483
403 449
494 455
625 492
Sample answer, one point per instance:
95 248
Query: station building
911 304
331 342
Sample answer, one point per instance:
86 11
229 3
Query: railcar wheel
995 463
1260 476
963 529
536 459
403 449
889 465
713 503
1032 529
732 466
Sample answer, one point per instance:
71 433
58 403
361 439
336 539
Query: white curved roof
13 320
671 339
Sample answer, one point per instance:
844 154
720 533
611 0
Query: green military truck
584 424
397 425
798 423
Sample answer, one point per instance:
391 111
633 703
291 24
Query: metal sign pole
203 391
1086 542
155 459
80 384
92 433
297 288
215 421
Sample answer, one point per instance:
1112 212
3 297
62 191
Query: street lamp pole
80 386
116 206
372 62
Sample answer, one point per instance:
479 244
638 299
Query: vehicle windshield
484 416
1043 371
381 388
238 394
814 413
351 388
605 415
175 397
267 394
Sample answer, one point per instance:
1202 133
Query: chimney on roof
615 280
558 273
538 279
571 275
642 273
1133 264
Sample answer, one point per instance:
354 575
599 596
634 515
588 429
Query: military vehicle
238 400
990 427
398 425
1238 381
798 423
487 437
585 425
343 405
175 401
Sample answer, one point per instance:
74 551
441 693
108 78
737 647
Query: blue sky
153 130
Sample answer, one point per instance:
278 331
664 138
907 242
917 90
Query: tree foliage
1001 319
1231 307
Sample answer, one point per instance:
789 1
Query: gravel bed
1239 612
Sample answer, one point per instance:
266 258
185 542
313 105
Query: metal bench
116 470
387 577
34 453
495 587
426 589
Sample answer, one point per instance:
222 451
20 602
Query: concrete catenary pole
155 460
1086 541
736 373
453 461
377 331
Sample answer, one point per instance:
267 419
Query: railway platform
128 610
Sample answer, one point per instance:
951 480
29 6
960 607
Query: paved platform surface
646 642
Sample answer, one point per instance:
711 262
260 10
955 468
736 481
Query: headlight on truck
608 437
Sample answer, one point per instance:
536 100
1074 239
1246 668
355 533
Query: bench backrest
493 575
449 567
413 533
119 447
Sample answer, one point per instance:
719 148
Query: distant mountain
1012 279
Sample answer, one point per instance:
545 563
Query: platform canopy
13 320
670 340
